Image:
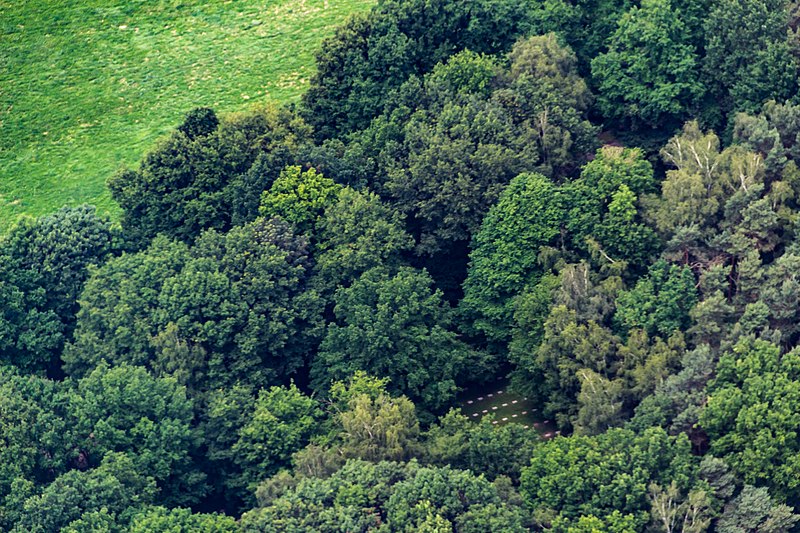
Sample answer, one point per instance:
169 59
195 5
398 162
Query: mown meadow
87 86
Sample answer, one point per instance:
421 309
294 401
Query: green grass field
86 86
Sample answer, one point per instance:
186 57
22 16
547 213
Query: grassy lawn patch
86 86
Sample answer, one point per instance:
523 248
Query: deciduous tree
394 325
650 74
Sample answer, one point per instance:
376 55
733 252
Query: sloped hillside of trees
597 201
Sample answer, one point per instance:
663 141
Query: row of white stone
490 395
512 416
494 408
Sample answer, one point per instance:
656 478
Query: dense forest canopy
593 201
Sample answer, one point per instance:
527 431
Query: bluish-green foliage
206 178
231 308
410 38
43 265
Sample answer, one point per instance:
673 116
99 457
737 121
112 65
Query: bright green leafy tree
505 253
597 476
650 74
299 198
752 414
